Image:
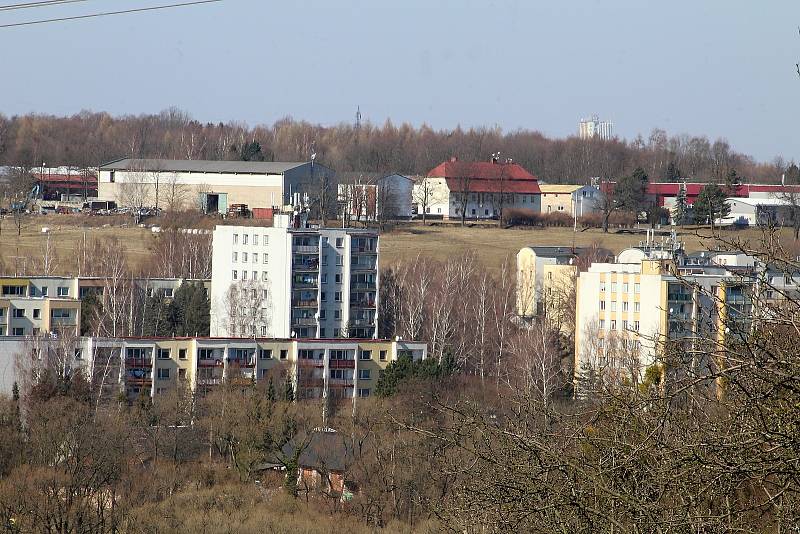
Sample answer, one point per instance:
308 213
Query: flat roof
203 165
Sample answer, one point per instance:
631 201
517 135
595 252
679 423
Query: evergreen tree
288 389
15 392
252 151
189 312
792 174
404 369
711 204
732 182
673 173
91 311
156 320
271 391
680 213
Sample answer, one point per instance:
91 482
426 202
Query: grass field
492 245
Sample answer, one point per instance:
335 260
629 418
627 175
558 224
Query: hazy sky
711 67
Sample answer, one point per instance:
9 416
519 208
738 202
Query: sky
719 68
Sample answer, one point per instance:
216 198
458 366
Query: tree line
88 139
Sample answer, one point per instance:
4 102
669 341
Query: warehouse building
213 186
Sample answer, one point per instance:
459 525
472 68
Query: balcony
140 363
304 321
301 303
342 364
311 382
361 267
305 283
311 265
214 381
340 382
679 297
310 364
362 322
251 362
362 303
362 286
364 250
305 249
210 362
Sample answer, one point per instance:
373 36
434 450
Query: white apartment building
294 282
594 128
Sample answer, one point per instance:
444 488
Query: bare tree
247 303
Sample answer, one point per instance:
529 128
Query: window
382 356
339 242
255 239
265 257
602 305
625 287
624 325
244 239
163 374
337 296
636 325
78 354
264 354
337 314
244 256
235 257
322 332
365 355
266 294
613 324
637 288
624 306
322 313
181 373
337 374
44 291
37 313
244 275
255 275
19 312
63 291
324 260
323 296
613 287
181 354
111 177
2 312
363 374
339 260
168 292
335 332
613 305
284 354
163 354
324 278
17 331
264 276
57 313
602 286
255 257
338 278
235 239
637 306
263 328
363 392
602 324
234 274
265 240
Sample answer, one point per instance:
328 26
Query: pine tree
271 391
252 151
288 389
673 173
732 182
711 204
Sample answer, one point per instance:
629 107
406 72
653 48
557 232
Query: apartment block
338 369
543 272
35 306
284 281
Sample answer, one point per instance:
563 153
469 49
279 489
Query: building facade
303 282
373 199
570 199
543 271
476 190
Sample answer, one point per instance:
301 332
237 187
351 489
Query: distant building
213 186
373 198
285 281
594 128
477 190
543 272
562 198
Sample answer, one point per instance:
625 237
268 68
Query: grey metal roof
202 165
552 251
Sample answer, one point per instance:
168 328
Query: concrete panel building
212 186
302 282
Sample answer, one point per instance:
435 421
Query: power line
107 13
45 3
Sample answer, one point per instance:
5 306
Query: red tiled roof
486 177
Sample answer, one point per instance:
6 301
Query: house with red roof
476 190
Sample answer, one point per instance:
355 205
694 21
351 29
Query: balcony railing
305 249
305 284
365 250
305 265
341 382
301 303
362 303
250 362
311 382
355 286
362 267
209 381
342 364
362 322
302 362
210 362
139 362
304 321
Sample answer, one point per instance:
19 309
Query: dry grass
492 245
